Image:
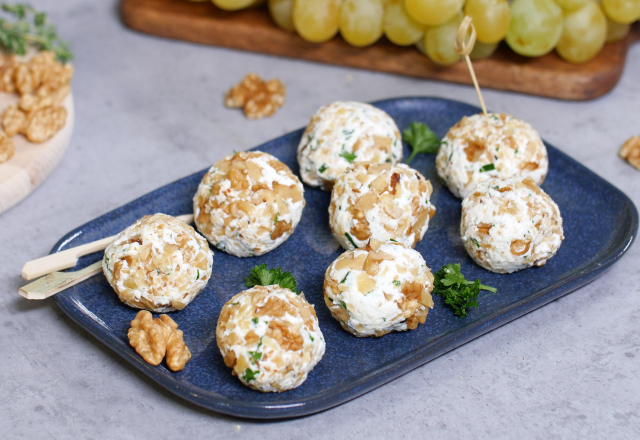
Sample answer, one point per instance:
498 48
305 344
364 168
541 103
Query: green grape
584 33
483 50
616 31
433 12
399 27
316 20
535 27
361 21
439 42
420 46
233 5
622 11
490 18
282 14
569 5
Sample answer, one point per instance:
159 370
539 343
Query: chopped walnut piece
630 151
147 337
14 121
259 98
7 149
153 338
46 122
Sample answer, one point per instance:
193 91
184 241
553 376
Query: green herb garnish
343 304
261 276
255 356
345 277
346 234
276 220
396 282
456 290
254 320
421 139
322 169
350 157
249 374
487 167
475 242
31 29
198 277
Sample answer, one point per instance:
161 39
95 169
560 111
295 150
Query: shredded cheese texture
384 202
248 204
510 224
342 134
270 337
159 263
383 288
474 151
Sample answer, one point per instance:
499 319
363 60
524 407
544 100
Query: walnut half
153 338
7 149
630 151
259 98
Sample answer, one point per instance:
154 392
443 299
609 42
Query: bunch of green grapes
576 29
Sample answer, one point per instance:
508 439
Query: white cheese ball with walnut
248 204
382 288
510 224
381 201
159 263
342 134
474 151
270 337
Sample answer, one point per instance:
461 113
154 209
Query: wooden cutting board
253 30
32 163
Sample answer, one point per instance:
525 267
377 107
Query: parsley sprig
459 293
421 139
262 276
30 29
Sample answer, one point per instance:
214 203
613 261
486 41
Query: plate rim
621 242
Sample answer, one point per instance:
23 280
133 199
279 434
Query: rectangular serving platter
600 224
253 30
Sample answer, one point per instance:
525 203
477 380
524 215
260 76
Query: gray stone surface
149 111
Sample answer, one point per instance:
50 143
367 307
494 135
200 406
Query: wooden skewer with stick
54 282
463 47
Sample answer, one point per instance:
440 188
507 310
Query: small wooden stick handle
69 257
58 281
463 47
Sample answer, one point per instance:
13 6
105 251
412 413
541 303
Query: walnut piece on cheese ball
159 263
510 224
344 133
474 151
270 337
248 204
381 201
382 288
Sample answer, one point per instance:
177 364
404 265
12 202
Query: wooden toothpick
463 47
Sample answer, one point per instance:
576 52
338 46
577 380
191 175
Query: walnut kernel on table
630 151
155 338
257 97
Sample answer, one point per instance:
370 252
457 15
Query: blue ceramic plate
600 224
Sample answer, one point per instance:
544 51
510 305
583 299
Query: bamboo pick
58 281
464 48
69 257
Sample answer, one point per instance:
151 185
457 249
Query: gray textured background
150 111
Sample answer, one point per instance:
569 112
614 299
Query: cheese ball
342 134
270 337
159 263
382 288
381 201
510 224
474 151
248 204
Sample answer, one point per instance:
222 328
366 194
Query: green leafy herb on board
262 276
458 293
30 28
421 139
